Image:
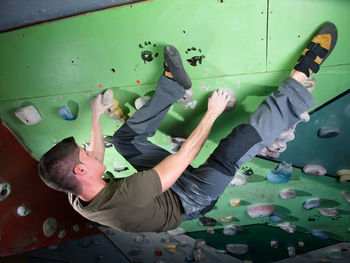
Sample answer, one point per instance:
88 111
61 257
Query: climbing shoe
173 67
318 50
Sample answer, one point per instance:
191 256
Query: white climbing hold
139 102
238 179
288 227
23 210
288 194
328 211
346 196
314 169
260 210
187 97
29 115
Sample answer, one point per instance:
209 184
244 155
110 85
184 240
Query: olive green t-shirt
133 204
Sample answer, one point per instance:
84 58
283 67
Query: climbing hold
276 218
237 249
139 102
62 234
210 231
23 210
314 169
288 227
311 203
177 231
281 174
318 234
207 221
140 238
187 97
171 248
49 226
5 190
301 244
304 117
29 115
310 84
198 251
66 113
238 179
328 211
235 202
76 228
260 210
344 175
274 243
108 97
346 196
158 253
288 194
232 101
176 143
327 132
226 219
291 252
335 253
230 230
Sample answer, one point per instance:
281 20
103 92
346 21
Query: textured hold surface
237 249
288 194
281 174
314 169
318 234
328 211
230 230
239 179
311 203
276 218
260 210
288 227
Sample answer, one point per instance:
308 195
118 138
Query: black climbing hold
207 221
146 56
140 46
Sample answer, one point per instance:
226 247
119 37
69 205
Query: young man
167 190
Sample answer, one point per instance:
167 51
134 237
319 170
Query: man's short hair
56 167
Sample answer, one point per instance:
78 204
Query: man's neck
89 192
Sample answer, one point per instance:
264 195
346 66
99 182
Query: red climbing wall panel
21 233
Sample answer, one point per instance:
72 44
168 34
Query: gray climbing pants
199 188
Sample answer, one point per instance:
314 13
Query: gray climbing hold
328 211
314 169
311 203
327 132
187 97
288 227
237 249
230 230
288 194
260 210
232 101
207 221
139 102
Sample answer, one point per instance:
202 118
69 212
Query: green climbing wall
247 46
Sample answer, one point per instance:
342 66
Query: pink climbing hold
314 169
260 210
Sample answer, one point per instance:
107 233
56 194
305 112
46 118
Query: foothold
171 248
311 203
281 174
147 56
344 175
276 218
49 226
235 202
291 252
187 97
210 231
247 170
120 169
193 60
29 115
314 169
140 238
237 249
176 143
326 132
318 234
62 234
5 190
207 221
335 253
177 231
238 179
328 211
260 210
198 250
230 230
309 83
139 102
346 196
23 210
226 219
288 227
274 244
76 228
301 244
232 101
288 194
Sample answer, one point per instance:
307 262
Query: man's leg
279 111
131 139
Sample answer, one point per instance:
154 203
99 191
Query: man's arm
97 144
174 165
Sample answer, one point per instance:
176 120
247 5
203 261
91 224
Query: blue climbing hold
281 174
66 113
311 203
318 234
276 218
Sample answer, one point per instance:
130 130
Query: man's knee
122 141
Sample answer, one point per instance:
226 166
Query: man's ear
80 169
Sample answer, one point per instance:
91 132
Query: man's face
93 165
